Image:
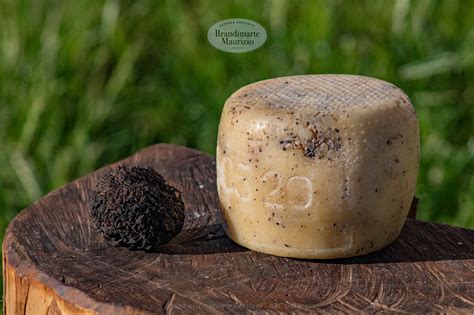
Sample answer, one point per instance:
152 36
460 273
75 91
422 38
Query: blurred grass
85 83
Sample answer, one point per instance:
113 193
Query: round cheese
317 166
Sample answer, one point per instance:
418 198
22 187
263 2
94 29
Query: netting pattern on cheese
325 93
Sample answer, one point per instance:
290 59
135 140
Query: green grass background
85 83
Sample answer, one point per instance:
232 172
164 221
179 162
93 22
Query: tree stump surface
55 263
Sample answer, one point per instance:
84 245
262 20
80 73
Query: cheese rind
317 166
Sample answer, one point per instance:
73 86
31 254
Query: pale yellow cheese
317 166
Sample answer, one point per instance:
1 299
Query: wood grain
54 263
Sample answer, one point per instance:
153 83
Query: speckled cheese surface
317 166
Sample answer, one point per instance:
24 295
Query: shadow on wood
418 242
214 241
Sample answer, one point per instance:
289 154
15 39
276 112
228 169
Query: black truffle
135 208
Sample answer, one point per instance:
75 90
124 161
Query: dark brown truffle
135 208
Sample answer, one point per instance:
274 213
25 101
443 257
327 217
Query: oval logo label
237 35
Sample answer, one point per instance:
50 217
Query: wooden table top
55 262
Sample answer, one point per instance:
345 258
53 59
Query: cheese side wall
317 166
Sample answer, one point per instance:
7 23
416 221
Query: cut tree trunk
55 263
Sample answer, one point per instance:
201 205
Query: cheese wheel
317 166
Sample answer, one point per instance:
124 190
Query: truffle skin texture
134 207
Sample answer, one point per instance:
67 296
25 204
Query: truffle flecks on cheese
317 166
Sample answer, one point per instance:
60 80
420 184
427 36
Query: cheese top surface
320 94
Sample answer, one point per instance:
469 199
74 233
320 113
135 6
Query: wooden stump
53 261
